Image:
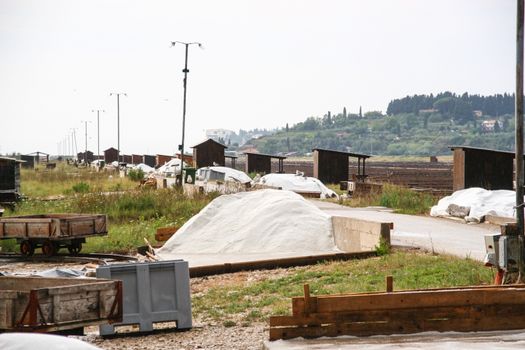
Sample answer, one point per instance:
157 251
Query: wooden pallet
465 309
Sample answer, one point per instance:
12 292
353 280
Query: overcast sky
264 63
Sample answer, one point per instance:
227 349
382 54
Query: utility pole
118 121
185 71
98 129
86 140
519 136
74 148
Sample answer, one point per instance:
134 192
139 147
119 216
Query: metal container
152 292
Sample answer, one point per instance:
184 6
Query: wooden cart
58 304
52 231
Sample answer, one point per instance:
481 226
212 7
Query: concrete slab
433 234
427 340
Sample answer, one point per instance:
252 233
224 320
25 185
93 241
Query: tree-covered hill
414 125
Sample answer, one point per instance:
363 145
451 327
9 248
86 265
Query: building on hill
492 125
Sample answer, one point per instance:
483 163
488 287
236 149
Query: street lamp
185 71
118 121
98 129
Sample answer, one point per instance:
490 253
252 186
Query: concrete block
356 235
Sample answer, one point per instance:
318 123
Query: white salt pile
171 168
144 167
297 183
258 222
480 201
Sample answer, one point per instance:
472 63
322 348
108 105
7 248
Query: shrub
136 175
80 187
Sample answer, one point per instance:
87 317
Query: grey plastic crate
152 292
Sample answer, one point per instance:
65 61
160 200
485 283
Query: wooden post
306 297
389 284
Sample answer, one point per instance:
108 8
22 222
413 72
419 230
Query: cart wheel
49 248
74 248
27 248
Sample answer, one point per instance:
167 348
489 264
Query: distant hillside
417 125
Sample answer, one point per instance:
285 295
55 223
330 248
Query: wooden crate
56 304
465 309
165 233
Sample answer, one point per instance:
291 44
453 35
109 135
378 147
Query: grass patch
256 301
67 179
403 200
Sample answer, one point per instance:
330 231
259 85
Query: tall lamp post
185 71
98 129
118 121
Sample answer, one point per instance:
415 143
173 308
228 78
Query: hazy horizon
264 64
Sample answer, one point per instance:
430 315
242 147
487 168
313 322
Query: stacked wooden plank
481 308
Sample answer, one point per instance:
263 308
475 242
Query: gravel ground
202 336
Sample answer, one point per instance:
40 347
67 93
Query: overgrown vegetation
403 200
256 299
136 175
68 180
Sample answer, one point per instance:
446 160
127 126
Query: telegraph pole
98 129
118 121
519 137
86 140
185 71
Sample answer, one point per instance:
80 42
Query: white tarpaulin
171 168
31 341
229 174
297 183
264 221
480 201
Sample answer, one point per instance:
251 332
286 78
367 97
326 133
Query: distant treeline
457 106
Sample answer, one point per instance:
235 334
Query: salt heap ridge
265 221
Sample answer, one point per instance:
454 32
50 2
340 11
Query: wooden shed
161 159
9 179
28 161
136 159
110 155
126 158
332 166
481 167
208 153
149 160
262 163
85 156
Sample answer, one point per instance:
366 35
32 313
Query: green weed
257 300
